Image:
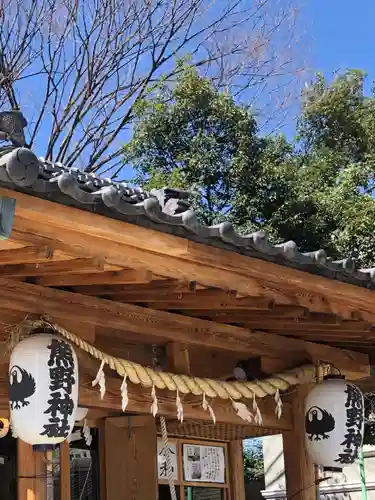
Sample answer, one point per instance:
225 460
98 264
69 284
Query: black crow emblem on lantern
318 423
21 387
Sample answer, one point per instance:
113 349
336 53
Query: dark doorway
8 468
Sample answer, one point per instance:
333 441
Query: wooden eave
133 283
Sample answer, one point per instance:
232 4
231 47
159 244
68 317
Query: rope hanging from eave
184 384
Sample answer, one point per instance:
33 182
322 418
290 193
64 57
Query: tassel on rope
180 409
279 405
207 407
100 379
124 394
154 405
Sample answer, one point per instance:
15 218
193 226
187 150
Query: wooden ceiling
61 255
42 266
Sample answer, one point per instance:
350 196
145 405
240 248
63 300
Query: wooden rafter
156 288
124 277
127 245
26 255
135 265
164 326
209 299
53 267
272 321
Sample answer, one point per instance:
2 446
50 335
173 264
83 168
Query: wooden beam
279 320
201 305
178 358
366 384
11 245
140 403
53 267
31 473
129 245
130 455
201 300
155 289
127 276
299 468
166 326
236 470
25 255
85 331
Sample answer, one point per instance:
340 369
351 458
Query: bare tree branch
78 68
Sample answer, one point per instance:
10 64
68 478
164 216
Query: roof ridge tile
21 169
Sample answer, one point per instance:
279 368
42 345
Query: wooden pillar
178 358
65 471
31 473
130 458
299 469
236 470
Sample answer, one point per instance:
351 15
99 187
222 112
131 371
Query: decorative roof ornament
12 124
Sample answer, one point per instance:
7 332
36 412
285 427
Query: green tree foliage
253 461
195 137
316 190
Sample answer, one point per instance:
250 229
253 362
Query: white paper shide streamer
154 405
87 433
180 409
243 412
258 419
124 394
279 405
207 407
251 416
100 379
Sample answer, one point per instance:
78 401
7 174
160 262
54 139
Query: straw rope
184 384
171 483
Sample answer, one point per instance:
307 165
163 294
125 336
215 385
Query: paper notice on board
204 464
162 460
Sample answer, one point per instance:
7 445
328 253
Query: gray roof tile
164 210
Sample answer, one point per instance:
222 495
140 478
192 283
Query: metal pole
362 474
317 468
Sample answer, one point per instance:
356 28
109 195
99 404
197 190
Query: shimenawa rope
184 384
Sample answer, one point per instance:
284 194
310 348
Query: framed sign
162 460
203 464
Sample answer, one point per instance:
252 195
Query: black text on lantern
62 380
354 422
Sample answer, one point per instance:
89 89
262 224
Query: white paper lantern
43 389
334 423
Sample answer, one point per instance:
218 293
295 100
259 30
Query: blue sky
342 35
338 34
